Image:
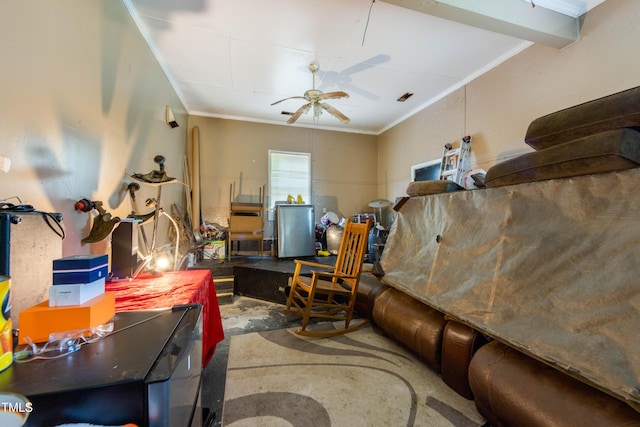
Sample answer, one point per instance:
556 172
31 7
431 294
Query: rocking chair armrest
313 264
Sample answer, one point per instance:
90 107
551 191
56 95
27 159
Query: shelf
246 222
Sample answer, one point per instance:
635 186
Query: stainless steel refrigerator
295 225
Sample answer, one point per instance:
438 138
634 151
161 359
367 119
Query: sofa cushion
614 111
429 187
603 152
411 323
511 389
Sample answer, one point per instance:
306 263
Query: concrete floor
243 316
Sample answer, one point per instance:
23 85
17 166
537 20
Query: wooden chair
331 294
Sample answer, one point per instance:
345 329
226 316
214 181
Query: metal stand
158 178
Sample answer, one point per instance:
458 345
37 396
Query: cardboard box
84 262
215 249
39 321
80 269
67 277
75 294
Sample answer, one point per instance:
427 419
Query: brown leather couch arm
512 389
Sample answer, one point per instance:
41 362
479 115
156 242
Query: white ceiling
234 58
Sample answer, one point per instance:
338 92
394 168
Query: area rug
277 378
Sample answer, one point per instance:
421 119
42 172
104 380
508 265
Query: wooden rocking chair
331 294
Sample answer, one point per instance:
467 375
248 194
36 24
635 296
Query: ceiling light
405 97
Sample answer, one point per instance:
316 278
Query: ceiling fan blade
291 97
337 114
302 110
333 95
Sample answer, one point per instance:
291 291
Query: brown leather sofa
512 389
508 387
443 345
412 323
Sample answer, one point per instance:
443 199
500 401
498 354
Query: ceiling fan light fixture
405 97
314 98
317 111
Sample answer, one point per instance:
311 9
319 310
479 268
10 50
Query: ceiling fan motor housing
312 94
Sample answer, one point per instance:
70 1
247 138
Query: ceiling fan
314 96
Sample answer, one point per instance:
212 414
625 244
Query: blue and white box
75 293
80 269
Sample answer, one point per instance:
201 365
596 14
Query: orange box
39 321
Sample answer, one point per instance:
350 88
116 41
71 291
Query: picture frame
426 171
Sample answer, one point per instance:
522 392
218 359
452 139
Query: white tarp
548 267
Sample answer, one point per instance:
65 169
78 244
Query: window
289 174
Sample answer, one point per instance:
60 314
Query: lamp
379 204
170 118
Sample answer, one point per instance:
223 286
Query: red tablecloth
171 288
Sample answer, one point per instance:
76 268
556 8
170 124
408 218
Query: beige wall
343 165
418 139
497 107
83 101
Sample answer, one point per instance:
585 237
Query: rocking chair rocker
331 294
